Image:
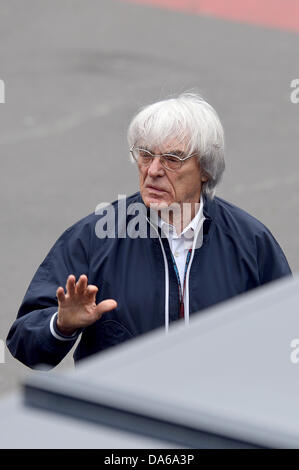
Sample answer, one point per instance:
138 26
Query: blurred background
76 71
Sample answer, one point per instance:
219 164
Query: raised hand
77 307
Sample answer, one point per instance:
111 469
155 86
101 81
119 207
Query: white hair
188 117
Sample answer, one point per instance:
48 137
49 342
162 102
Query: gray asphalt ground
75 73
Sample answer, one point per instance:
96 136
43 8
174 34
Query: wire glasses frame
169 161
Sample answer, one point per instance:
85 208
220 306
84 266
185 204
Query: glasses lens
171 162
143 157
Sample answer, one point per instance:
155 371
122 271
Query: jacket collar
209 211
209 205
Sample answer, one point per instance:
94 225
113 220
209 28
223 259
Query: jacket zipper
166 305
186 296
186 304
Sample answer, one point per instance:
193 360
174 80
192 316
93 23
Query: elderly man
195 251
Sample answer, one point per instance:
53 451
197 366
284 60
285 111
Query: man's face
161 187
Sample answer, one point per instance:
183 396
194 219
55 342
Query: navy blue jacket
238 253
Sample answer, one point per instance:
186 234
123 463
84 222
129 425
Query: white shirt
180 244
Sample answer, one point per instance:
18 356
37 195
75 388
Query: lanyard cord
181 293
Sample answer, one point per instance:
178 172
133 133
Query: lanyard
181 293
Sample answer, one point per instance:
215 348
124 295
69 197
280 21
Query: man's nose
155 168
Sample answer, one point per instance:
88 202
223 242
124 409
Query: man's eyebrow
169 152
176 152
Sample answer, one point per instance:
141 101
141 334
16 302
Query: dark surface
123 420
231 376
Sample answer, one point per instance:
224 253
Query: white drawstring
186 300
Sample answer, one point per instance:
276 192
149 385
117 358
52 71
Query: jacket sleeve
30 339
272 263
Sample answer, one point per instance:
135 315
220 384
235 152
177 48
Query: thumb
105 306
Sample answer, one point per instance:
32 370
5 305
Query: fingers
81 284
60 294
70 285
91 290
106 306
73 288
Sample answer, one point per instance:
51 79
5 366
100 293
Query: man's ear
204 177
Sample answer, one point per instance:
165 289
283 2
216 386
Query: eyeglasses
169 161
